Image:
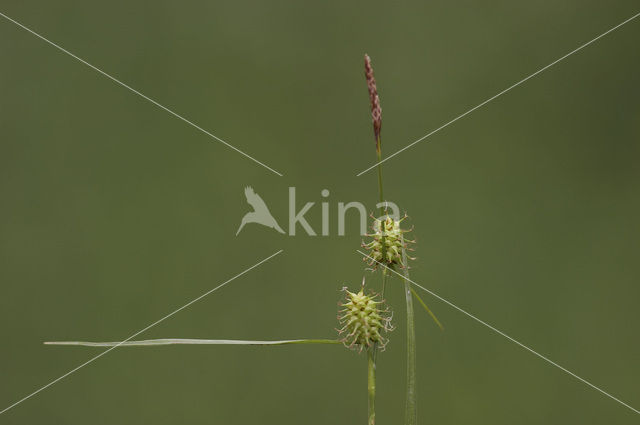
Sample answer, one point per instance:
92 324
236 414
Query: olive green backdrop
114 213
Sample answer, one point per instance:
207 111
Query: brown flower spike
376 111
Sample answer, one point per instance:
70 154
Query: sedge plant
388 249
364 317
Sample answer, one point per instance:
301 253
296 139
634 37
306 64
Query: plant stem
384 281
379 156
382 211
371 385
373 353
411 414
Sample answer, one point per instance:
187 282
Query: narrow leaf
433 316
411 414
179 341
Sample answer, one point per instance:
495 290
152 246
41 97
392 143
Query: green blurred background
114 213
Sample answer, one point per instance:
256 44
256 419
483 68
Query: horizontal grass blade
180 341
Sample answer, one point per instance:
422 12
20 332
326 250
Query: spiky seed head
387 242
363 321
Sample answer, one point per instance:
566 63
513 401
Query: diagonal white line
499 94
504 335
140 94
139 332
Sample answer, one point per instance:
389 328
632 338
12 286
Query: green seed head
387 242
363 321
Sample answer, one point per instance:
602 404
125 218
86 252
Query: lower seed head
362 320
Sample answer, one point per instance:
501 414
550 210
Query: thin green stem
371 385
382 208
382 212
380 191
411 414
373 353
384 282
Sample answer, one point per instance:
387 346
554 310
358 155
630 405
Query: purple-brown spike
376 111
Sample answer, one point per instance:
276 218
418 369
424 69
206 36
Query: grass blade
433 316
411 408
181 341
